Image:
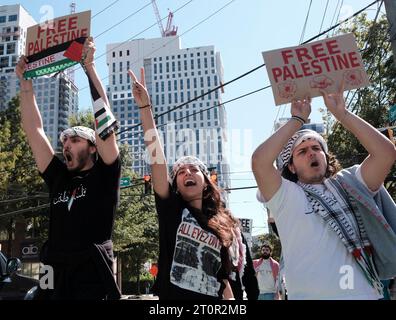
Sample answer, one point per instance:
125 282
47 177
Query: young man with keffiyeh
84 191
337 229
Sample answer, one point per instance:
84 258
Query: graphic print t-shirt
189 265
82 204
196 260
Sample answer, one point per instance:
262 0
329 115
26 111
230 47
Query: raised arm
159 169
382 152
105 121
267 176
32 123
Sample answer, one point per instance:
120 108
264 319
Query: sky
240 30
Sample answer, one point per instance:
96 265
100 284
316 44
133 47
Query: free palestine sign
57 44
296 72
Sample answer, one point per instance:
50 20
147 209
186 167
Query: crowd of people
337 227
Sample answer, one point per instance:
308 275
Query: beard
82 158
265 256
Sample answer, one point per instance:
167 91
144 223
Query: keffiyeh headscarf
185 161
80 131
298 138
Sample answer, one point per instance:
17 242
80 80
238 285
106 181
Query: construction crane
170 29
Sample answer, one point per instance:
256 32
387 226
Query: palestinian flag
55 59
105 122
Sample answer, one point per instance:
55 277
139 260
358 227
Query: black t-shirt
83 204
189 265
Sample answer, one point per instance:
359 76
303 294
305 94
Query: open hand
335 102
301 108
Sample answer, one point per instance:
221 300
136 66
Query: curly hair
333 166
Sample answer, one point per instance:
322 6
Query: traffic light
147 183
213 176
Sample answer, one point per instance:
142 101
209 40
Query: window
127 52
181 84
113 54
175 84
199 63
188 83
3 62
13 17
2 19
1 49
114 67
120 53
169 85
192 64
212 62
167 66
120 66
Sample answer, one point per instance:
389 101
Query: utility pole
390 7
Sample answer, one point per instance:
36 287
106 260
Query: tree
273 241
371 103
136 228
20 184
83 118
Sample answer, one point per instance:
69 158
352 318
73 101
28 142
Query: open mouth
68 156
189 183
315 164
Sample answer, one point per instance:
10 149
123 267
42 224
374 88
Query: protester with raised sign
201 246
336 227
84 190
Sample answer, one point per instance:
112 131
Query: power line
111 4
305 23
190 115
324 15
118 23
188 30
131 38
25 210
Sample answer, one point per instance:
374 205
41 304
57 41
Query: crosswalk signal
147 184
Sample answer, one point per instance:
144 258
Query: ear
92 149
291 168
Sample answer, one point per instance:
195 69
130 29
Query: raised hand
335 102
89 51
20 67
301 108
139 90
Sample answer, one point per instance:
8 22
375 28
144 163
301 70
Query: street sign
246 225
125 182
392 114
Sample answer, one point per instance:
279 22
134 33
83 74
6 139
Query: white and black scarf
340 216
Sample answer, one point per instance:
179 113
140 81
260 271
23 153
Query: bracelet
147 105
299 119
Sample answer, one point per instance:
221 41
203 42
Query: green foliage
84 118
371 103
19 177
135 234
273 241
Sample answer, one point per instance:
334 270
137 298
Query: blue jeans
266 296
